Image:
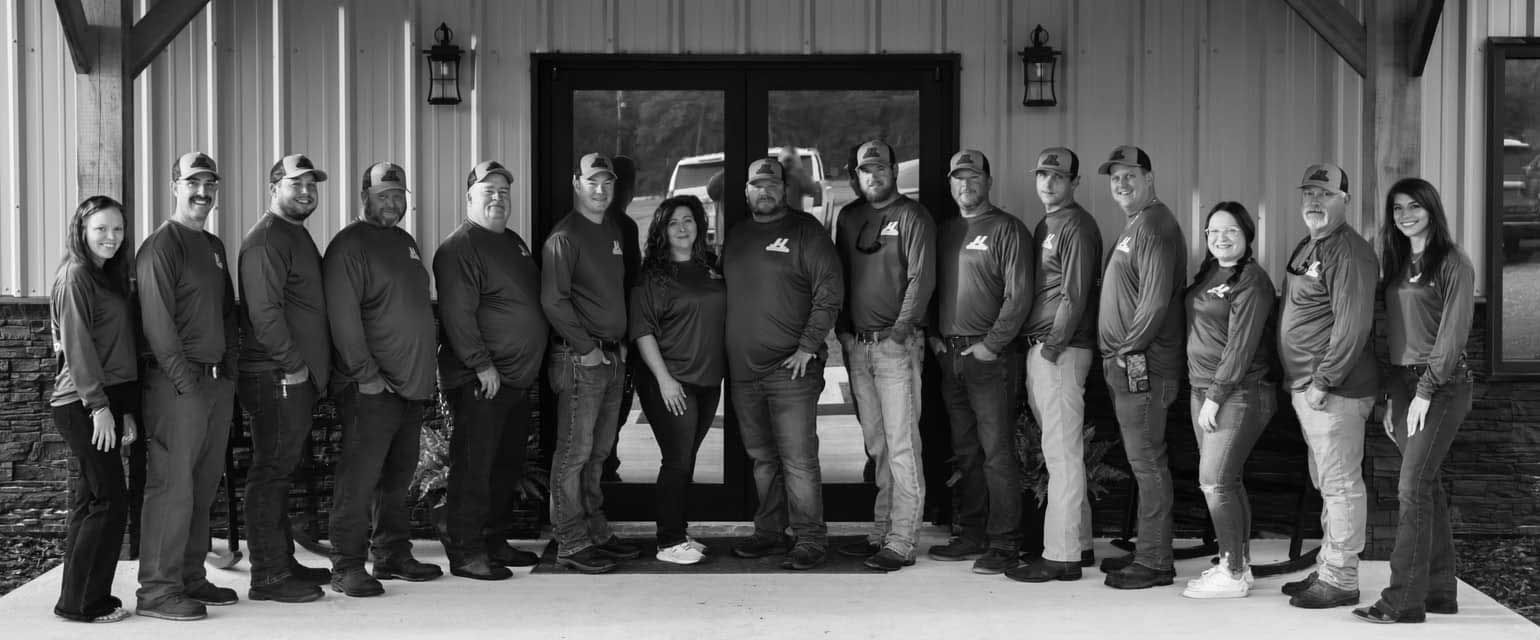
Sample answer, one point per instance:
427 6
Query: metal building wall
1232 98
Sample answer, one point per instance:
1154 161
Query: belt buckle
214 371
868 337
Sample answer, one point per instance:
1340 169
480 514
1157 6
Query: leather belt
606 345
961 342
210 371
872 336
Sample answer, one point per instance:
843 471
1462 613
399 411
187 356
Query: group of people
1002 308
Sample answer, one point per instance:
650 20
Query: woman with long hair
678 320
95 399
1230 363
1429 289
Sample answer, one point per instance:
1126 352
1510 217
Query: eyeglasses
1296 266
876 244
1223 232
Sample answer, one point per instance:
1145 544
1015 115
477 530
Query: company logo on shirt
978 244
219 261
524 251
412 251
1126 245
779 246
889 229
1050 241
616 249
1220 291
1315 269
713 273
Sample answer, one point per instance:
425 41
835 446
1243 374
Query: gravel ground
1504 568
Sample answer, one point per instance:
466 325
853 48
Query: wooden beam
105 110
1338 27
1424 26
157 29
72 17
1392 98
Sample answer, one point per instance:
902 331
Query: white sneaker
681 553
1217 582
695 544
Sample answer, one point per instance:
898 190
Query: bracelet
99 410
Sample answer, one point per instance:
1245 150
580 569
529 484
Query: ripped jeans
1222 457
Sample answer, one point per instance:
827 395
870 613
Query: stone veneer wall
1493 472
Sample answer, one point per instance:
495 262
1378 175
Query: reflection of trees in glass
835 121
655 128
1521 115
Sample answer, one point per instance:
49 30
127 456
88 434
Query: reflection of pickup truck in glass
824 191
1521 197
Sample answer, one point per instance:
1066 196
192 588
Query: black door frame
745 81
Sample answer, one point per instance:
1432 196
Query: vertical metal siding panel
48 170
376 86
578 25
1029 130
645 26
1169 95
903 26
1105 43
777 26
11 214
309 69
842 26
447 142
709 26
1475 29
244 116
505 115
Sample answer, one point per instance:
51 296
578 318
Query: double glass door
691 125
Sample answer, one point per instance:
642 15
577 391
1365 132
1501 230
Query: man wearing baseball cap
285 364
582 291
1061 332
984 264
784 280
381 319
187 311
493 337
887 247
1325 345
1140 330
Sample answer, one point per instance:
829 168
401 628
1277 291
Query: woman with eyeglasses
1230 363
95 399
678 320
1429 289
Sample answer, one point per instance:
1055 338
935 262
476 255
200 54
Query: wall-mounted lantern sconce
443 68
1039 63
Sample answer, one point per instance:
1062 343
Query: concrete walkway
931 600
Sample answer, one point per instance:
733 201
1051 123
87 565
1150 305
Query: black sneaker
356 583
1138 576
1379 614
1442 605
761 545
289 590
211 595
1088 558
1299 586
888 560
1324 595
508 556
174 607
312 575
804 557
862 548
956 550
617 549
590 560
1041 570
406 568
479 567
996 561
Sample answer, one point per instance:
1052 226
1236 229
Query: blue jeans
486 456
1422 563
1142 420
1335 439
981 404
778 420
280 429
885 380
185 436
587 403
381 437
1222 457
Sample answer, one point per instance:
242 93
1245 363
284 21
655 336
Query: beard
879 194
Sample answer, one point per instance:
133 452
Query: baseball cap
766 169
193 163
875 152
486 170
595 163
294 166
968 159
1059 160
384 176
1326 176
1127 155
